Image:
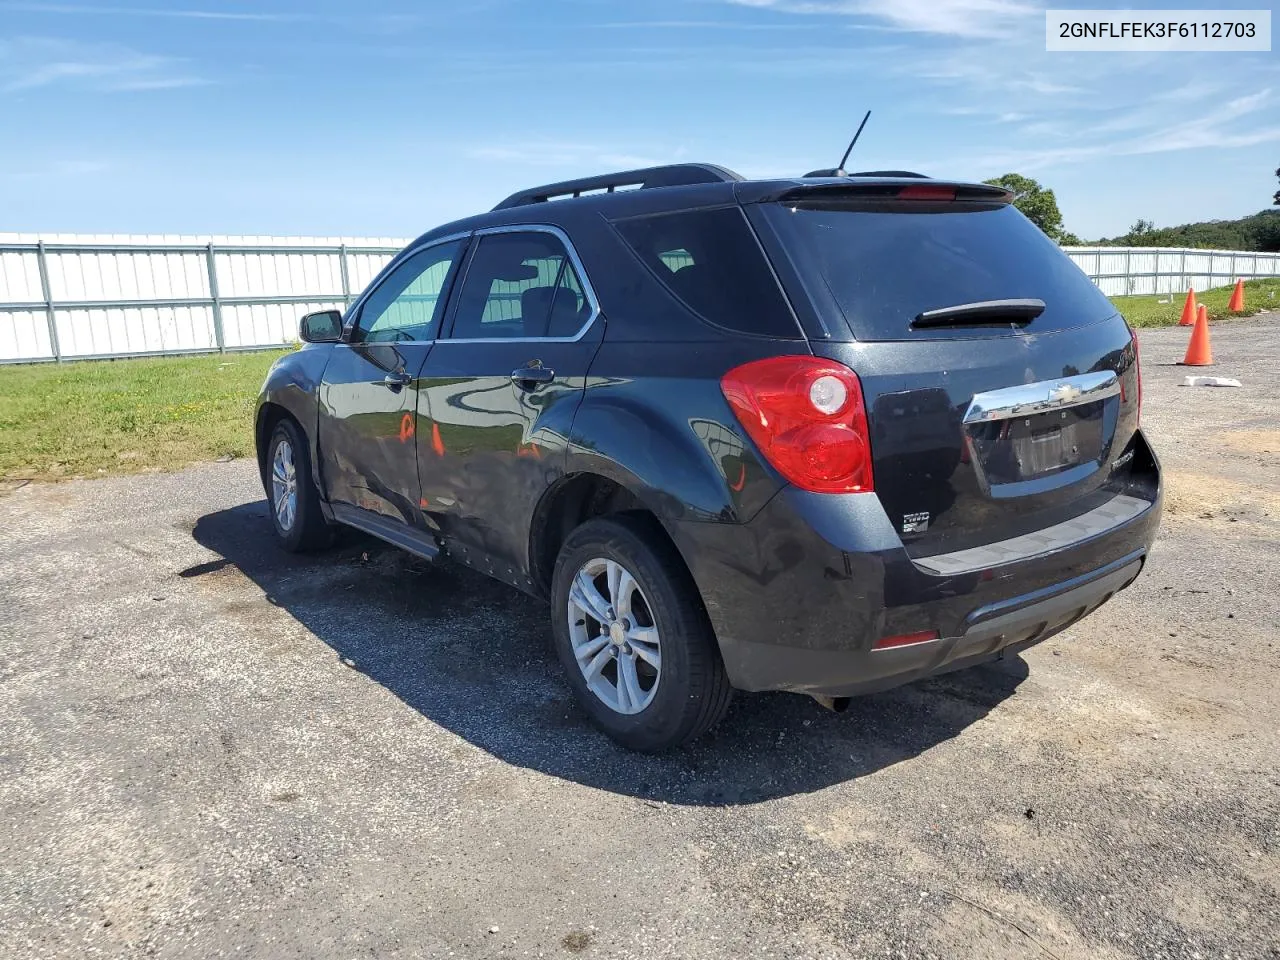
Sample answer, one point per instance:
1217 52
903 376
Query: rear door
500 391
985 424
369 393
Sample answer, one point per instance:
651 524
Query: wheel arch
291 390
269 415
571 501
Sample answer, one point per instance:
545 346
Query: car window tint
520 286
569 306
881 265
407 305
710 261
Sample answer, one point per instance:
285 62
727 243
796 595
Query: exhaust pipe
834 704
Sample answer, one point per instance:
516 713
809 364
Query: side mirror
323 326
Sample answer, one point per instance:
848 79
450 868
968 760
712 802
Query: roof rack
866 173
672 175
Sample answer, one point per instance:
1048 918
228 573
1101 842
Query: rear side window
710 261
885 265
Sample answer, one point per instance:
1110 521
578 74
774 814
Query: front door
369 393
499 393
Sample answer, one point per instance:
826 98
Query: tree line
1259 232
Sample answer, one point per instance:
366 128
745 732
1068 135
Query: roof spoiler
889 188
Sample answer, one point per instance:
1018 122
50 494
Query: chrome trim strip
1047 395
587 290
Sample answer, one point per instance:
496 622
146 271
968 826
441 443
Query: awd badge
915 522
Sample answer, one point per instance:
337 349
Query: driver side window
408 304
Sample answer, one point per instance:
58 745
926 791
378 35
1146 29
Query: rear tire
651 677
292 496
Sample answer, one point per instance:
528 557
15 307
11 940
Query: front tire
633 637
292 495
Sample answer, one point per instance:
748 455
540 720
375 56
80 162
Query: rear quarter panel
653 419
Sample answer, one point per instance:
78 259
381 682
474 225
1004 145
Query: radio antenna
840 169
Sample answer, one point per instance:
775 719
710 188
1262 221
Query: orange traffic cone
1237 298
1199 353
436 443
1189 310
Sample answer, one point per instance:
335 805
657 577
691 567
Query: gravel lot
214 749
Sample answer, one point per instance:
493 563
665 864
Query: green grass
123 416
95 417
1150 312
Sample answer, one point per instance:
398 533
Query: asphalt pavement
213 749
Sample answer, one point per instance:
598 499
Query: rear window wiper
981 312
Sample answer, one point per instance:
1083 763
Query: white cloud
699 25
1246 104
1046 87
961 18
175 12
32 63
1193 90
1213 130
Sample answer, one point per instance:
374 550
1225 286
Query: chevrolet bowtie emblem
1063 392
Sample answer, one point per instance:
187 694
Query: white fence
1123 271
80 297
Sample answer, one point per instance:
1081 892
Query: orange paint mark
436 443
406 428
742 479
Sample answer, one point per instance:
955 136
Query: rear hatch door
1000 384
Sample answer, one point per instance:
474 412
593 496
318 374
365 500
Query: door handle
530 377
397 379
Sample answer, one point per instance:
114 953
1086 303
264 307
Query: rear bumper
799 596
845 673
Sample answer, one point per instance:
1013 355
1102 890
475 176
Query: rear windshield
881 267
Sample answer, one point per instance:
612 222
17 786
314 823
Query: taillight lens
807 417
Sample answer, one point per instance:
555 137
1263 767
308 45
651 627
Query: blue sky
387 117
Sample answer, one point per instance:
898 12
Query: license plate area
1033 437
1048 443
1019 449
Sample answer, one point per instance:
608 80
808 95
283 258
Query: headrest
550 311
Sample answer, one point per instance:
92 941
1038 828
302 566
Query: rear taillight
807 417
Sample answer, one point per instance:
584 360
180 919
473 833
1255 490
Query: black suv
828 434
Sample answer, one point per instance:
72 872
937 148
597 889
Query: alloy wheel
284 485
614 636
